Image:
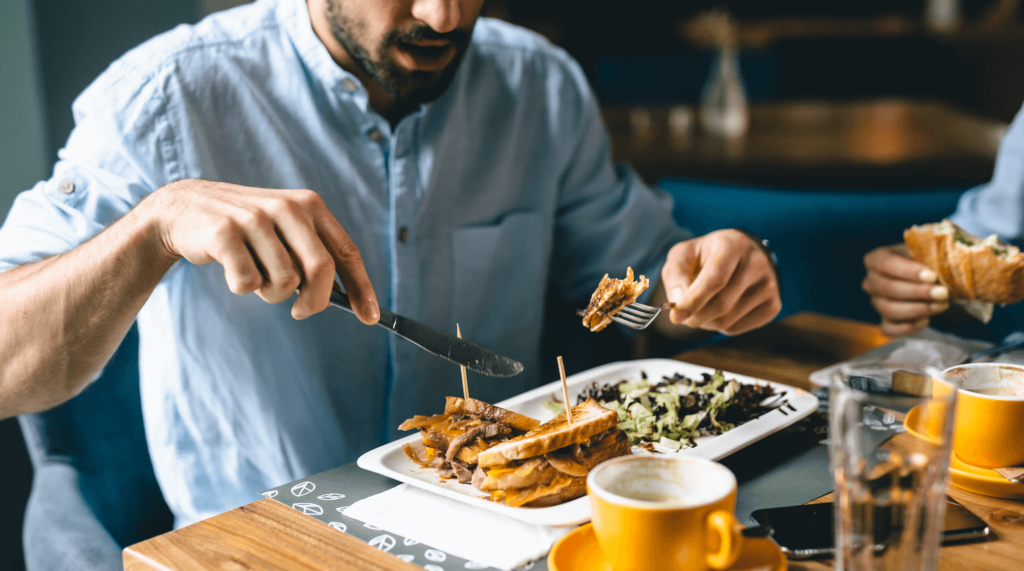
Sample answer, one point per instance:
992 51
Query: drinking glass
890 428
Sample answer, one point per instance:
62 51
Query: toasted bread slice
972 268
612 447
559 490
577 488
589 419
456 405
610 297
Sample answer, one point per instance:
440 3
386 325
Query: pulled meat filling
453 442
462 471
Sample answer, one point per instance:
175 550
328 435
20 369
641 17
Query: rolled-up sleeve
997 207
115 156
607 218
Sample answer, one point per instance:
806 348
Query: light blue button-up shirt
499 187
997 207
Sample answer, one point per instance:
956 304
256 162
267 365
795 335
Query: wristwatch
766 247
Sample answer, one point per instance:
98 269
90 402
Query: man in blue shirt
906 293
445 167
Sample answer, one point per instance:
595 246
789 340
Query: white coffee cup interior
998 380
661 482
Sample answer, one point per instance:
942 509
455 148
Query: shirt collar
294 16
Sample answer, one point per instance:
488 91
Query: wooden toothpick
465 384
565 390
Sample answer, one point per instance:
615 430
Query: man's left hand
722 281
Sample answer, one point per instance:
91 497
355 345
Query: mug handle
730 541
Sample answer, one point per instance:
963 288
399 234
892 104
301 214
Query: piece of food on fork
611 296
453 440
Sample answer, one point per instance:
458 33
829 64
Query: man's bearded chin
408 87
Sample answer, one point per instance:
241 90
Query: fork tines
636 315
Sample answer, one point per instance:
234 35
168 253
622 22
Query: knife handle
340 299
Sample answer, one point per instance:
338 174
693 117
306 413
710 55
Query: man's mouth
425 55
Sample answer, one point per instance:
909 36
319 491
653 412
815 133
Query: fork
635 315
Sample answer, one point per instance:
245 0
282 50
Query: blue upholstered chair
93 491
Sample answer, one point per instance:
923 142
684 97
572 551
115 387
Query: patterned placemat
327 495
787 468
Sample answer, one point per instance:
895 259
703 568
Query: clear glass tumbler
890 429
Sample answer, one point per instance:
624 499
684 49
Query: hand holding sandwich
968 268
906 293
722 281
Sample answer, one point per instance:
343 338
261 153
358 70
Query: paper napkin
455 527
926 347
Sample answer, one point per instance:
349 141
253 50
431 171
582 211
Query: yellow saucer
579 551
984 481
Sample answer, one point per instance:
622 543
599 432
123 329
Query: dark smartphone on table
803 532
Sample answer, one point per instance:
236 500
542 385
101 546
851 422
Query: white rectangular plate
389 460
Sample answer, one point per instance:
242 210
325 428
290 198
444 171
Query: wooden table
873 145
269 535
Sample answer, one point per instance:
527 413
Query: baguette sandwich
549 465
973 268
453 440
610 297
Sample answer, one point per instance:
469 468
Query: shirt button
67 187
349 84
403 234
376 136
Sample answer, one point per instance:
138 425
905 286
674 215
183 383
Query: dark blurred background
863 117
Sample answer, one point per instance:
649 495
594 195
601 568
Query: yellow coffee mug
988 427
665 513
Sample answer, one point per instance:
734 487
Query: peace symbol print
435 555
339 526
330 497
270 494
432 568
409 541
303 488
383 542
309 509
407 557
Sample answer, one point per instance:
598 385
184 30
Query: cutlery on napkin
1015 475
457 528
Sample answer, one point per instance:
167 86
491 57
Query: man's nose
441 15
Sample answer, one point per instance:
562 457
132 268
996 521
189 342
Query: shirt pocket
501 275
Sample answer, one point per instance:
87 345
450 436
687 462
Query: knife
471 356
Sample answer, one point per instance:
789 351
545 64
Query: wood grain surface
267 535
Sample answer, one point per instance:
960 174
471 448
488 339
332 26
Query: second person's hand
905 293
268 241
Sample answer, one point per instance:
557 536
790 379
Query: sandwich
455 439
982 269
610 297
549 465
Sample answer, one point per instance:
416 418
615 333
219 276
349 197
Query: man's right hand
270 242
906 293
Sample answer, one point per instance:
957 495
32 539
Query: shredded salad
670 414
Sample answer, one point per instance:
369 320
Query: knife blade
444 345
